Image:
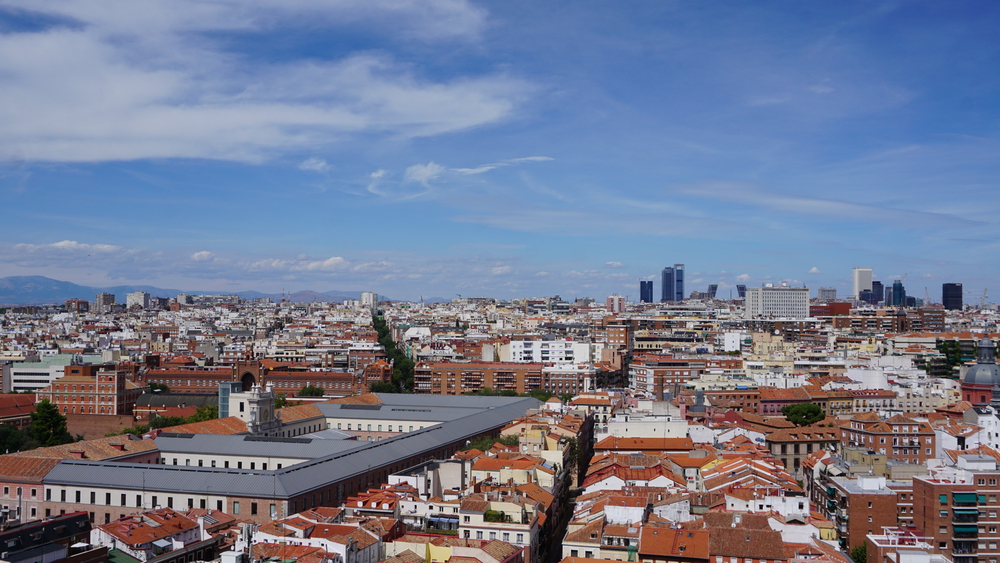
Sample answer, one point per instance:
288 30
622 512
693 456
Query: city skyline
502 149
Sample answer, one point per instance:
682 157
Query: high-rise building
741 291
781 301
369 300
616 304
667 285
878 292
646 291
712 290
951 296
861 279
898 294
104 302
673 283
678 282
137 300
827 294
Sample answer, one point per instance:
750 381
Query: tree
48 426
155 387
382 387
540 394
165 421
803 414
566 397
11 439
208 412
860 553
311 391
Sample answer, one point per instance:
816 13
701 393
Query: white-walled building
782 301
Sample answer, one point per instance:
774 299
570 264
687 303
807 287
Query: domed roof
986 371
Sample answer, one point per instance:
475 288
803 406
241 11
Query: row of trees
402 367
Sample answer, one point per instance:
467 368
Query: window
466 519
170 502
506 536
520 538
253 508
93 497
236 507
493 535
78 497
107 498
943 514
479 534
274 512
227 465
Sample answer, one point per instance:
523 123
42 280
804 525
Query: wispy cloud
510 162
315 164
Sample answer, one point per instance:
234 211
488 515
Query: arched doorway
248 381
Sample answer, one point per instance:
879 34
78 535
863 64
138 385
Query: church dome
986 371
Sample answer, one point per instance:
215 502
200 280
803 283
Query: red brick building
900 437
457 378
93 389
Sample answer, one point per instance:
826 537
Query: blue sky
498 148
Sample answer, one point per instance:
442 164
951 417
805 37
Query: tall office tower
673 283
678 282
951 296
878 292
667 285
861 279
898 294
777 301
712 290
615 304
104 302
868 296
646 291
827 294
741 290
369 300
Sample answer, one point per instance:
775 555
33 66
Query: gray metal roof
245 445
302 477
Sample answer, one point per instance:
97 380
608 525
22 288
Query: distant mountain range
36 290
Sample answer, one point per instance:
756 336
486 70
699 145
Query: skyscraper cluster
673 283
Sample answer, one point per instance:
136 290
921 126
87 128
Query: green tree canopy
859 553
383 387
11 439
48 426
803 414
158 387
311 391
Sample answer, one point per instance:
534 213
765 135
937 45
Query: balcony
964 499
965 531
965 516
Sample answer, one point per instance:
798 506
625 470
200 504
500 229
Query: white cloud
202 256
315 164
743 278
614 265
330 264
69 246
179 91
814 270
500 270
423 173
487 167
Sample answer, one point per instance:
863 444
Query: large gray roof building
313 471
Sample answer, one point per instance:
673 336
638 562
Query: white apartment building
139 299
779 301
547 351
